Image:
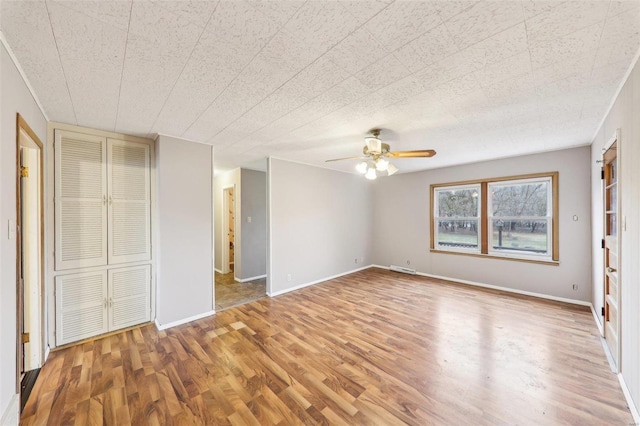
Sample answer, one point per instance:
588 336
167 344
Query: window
511 217
457 218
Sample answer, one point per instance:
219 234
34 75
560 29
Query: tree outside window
519 218
458 218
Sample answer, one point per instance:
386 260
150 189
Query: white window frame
437 218
548 217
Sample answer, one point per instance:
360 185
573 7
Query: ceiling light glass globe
362 167
371 174
382 164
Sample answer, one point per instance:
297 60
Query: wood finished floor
231 293
373 347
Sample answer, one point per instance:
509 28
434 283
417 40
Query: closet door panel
128 172
80 200
129 296
81 306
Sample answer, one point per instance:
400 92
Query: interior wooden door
611 255
30 256
232 221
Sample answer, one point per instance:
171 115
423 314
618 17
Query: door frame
224 267
615 139
21 125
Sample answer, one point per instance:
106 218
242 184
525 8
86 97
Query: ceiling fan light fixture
362 167
371 174
382 164
374 145
391 169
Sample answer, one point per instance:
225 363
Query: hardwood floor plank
374 347
96 411
82 412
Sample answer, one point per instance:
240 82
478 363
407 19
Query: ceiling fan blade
412 154
345 158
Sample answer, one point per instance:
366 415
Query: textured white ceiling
306 80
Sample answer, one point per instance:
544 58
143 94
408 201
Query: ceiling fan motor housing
385 148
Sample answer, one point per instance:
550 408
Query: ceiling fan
376 153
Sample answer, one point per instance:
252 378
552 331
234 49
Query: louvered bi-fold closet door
129 296
128 172
81 306
80 200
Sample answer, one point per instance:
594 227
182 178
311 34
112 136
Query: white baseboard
251 279
627 395
46 354
500 288
298 287
380 266
183 321
11 416
510 290
596 320
218 270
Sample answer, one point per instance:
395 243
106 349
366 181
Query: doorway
240 275
611 227
30 255
229 209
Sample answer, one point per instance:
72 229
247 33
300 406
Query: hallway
230 293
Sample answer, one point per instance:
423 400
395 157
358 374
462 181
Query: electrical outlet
362 260
288 277
408 262
575 287
356 261
248 219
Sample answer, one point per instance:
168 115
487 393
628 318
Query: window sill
489 256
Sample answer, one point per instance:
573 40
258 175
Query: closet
102 236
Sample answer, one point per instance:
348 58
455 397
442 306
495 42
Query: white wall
320 223
401 226
14 98
222 181
254 235
184 174
624 115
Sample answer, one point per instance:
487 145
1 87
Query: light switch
248 219
12 229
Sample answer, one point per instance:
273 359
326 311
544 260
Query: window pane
457 233
527 199
520 235
458 202
613 171
612 224
612 198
